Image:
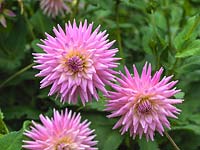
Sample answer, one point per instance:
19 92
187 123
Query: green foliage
192 49
108 139
97 105
41 23
36 48
11 141
185 41
144 145
12 45
165 33
16 112
188 32
3 128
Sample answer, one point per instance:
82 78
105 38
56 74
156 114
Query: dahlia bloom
143 103
76 62
54 7
64 131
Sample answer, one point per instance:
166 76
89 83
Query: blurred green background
163 32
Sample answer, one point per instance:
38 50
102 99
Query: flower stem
3 127
16 74
167 17
171 140
118 32
75 9
154 45
21 6
30 27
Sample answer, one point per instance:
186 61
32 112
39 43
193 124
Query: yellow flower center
75 62
65 143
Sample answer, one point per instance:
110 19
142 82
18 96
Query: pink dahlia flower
76 62
143 103
54 7
64 131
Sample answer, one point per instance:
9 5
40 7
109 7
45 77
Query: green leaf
12 141
188 64
1 115
41 23
185 139
191 127
135 4
195 118
147 39
150 145
12 46
36 48
188 32
16 112
106 4
160 20
192 49
108 139
3 127
98 105
113 140
26 124
179 95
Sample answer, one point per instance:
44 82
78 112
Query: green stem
169 33
154 45
128 142
74 9
3 127
118 32
30 27
16 74
172 70
157 57
21 6
167 15
171 140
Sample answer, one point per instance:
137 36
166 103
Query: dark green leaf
17 112
12 46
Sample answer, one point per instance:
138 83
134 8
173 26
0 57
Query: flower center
75 64
144 106
65 144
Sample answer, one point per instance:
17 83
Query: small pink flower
54 7
64 131
76 62
143 103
